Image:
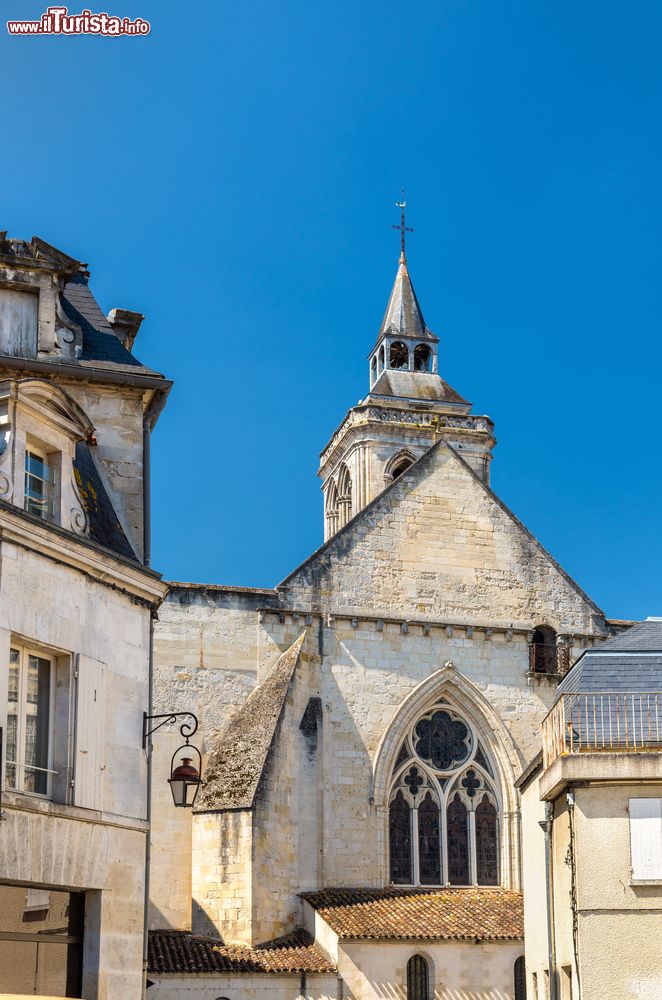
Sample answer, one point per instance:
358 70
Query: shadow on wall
201 922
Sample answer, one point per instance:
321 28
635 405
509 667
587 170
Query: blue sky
233 176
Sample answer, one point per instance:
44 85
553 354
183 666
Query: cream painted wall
376 970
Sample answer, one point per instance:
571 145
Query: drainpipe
152 413
148 840
546 825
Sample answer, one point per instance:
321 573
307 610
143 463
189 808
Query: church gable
439 543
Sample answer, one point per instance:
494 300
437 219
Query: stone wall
246 987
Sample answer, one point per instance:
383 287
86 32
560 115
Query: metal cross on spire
402 227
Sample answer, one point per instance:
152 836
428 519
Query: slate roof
630 662
105 528
100 344
415 385
404 316
173 952
237 762
484 914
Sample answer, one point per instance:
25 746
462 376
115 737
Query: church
364 724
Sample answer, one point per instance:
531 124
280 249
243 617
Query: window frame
25 650
49 459
640 874
431 778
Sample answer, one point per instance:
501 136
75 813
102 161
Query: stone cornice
139 583
452 629
371 415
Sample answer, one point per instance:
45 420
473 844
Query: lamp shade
184 783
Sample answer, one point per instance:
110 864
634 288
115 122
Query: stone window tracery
444 813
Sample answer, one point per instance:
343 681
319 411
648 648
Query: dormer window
39 492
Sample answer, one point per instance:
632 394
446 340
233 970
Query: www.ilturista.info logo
58 21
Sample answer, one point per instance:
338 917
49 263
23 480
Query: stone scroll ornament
80 522
6 485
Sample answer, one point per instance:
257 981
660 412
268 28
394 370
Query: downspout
152 413
572 856
148 839
546 825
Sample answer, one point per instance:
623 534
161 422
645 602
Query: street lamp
184 779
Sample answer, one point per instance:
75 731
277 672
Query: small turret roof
403 316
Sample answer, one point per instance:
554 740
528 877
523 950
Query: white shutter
18 323
646 838
90 732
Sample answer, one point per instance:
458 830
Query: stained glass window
429 848
442 740
400 840
418 987
486 842
482 759
458 842
402 756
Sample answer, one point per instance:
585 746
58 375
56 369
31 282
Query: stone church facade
364 723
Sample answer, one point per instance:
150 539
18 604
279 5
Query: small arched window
519 976
331 509
398 464
418 979
399 356
382 359
344 495
422 358
542 651
373 370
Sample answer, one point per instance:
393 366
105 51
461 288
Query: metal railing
602 722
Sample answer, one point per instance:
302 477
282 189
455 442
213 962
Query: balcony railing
602 722
548 658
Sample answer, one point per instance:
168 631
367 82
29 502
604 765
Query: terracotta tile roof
433 915
179 952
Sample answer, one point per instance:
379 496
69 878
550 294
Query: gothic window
519 977
422 358
444 822
458 842
486 859
442 740
399 356
400 840
331 509
344 496
418 979
428 841
382 359
373 371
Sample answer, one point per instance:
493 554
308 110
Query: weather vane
402 227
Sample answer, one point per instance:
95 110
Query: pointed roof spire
403 316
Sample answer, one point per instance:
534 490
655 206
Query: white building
76 604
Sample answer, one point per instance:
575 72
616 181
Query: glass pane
486 842
400 840
429 852
12 720
458 843
38 682
36 465
10 751
442 741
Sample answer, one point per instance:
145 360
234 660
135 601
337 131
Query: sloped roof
232 775
404 316
179 952
415 385
630 662
421 914
105 528
100 343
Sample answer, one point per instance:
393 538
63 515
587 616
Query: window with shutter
90 732
646 839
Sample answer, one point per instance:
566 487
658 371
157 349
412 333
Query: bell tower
408 408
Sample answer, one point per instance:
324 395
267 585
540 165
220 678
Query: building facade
592 810
365 721
77 600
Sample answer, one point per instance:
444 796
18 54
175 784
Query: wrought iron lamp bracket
187 729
